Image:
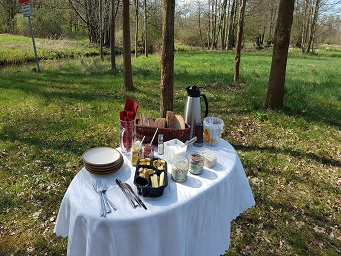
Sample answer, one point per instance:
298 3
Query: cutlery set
100 187
134 199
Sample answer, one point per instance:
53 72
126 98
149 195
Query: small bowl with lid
174 148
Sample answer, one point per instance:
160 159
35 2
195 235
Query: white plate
104 167
101 156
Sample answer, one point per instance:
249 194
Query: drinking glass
127 135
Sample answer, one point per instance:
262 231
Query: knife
131 193
130 198
137 198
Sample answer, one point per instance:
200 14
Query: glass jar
199 133
136 153
179 169
196 162
160 148
148 151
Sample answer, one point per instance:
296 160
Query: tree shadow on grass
289 225
302 224
294 153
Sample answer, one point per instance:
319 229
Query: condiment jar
148 151
136 153
160 148
199 133
179 168
196 162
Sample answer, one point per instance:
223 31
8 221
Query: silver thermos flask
192 114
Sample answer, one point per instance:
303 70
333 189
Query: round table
190 218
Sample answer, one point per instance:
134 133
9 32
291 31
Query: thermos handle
206 104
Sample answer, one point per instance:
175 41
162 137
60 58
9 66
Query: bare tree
136 26
100 3
145 23
231 26
128 76
222 24
306 13
89 12
167 57
239 39
214 24
275 93
112 37
313 24
11 8
199 24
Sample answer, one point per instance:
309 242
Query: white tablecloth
191 218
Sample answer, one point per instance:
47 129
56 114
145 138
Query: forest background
291 157
209 24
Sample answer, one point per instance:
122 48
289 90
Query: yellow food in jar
207 138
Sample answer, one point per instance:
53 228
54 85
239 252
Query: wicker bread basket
168 133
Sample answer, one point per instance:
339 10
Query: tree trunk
306 25
199 24
209 29
239 40
221 11
313 25
304 22
223 25
112 37
101 29
275 93
214 24
128 77
230 36
136 27
145 30
167 57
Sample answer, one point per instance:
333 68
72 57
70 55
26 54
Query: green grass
291 157
19 49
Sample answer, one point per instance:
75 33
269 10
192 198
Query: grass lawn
292 157
19 49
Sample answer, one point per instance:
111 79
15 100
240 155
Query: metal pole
34 44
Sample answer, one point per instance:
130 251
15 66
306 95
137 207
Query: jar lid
180 162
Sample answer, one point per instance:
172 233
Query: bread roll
179 122
151 122
160 122
143 119
170 119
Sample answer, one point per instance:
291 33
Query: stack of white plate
102 160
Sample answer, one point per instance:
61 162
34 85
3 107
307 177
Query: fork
102 210
103 187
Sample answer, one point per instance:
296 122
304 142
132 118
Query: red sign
24 1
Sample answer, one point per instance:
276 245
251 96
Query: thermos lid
193 91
